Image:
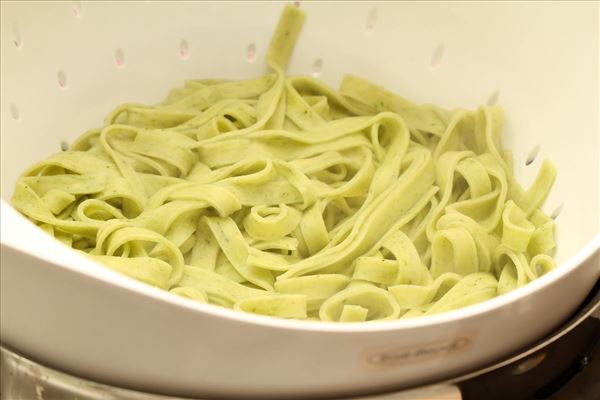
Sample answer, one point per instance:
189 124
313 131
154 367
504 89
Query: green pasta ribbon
281 196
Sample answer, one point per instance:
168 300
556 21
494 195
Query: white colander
65 65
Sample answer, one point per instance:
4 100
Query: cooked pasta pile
281 196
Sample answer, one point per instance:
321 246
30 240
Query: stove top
564 365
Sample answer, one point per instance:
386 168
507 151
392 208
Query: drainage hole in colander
532 155
120 58
77 9
317 67
184 50
493 99
371 20
436 57
251 53
64 146
554 214
61 78
14 111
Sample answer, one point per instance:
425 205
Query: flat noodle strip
281 196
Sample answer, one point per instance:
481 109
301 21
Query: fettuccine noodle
281 196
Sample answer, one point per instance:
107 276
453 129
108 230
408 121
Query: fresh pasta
284 197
